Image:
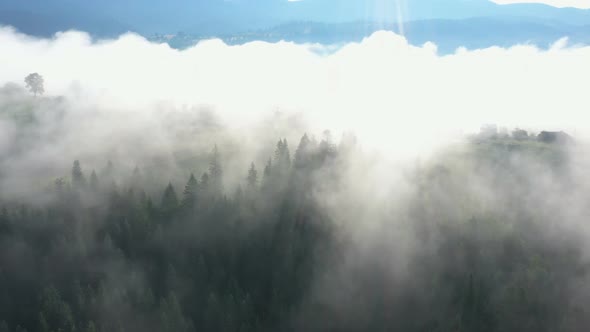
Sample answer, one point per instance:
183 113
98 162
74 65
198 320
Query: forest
173 221
99 256
294 166
102 253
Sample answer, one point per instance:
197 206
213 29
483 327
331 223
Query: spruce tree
93 184
169 198
301 158
282 157
189 197
267 175
205 182
286 154
215 173
252 177
78 179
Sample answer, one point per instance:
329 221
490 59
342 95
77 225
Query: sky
216 18
584 4
556 3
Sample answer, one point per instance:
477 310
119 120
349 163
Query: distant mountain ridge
47 24
216 17
448 35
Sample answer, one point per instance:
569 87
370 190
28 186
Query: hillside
448 35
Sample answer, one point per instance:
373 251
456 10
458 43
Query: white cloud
383 89
584 4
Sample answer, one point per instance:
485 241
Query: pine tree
56 313
302 153
282 157
78 179
60 186
302 165
93 184
252 177
171 316
286 154
267 175
205 182
189 197
279 152
169 198
268 169
327 148
215 173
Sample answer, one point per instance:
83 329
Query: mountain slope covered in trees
487 234
103 254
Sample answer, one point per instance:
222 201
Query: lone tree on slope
34 82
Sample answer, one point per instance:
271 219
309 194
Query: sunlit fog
312 165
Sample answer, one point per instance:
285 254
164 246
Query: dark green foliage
215 173
189 198
93 184
78 179
252 178
111 260
302 153
266 180
169 199
282 159
55 314
282 155
171 316
271 259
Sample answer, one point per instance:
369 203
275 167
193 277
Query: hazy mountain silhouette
441 19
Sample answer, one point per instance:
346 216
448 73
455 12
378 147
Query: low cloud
400 100
379 87
146 104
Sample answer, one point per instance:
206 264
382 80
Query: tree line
104 257
106 254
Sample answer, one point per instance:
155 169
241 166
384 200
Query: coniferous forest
99 256
103 253
175 221
294 166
